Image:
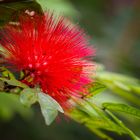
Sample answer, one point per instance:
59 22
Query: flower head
52 53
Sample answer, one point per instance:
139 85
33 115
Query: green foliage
96 88
9 78
124 86
28 96
9 102
14 82
128 131
86 112
122 108
94 122
49 107
97 118
102 120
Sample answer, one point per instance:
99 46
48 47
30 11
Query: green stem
129 132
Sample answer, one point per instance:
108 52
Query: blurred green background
114 30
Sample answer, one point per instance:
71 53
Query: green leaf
122 86
96 88
28 96
129 132
10 79
101 121
109 76
49 107
122 108
125 86
135 89
14 82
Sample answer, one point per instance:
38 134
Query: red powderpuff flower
52 53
